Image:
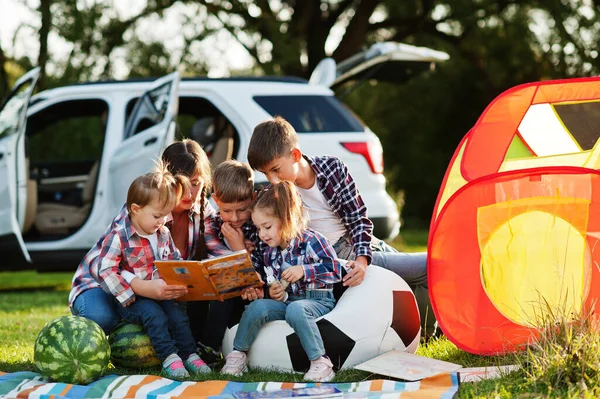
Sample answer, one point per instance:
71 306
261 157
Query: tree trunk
44 31
357 30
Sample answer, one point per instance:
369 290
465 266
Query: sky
15 15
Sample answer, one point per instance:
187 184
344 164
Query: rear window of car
310 114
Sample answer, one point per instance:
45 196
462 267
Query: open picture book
217 278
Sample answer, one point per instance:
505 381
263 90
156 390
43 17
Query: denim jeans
166 324
96 305
300 312
412 267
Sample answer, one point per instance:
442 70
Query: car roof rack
279 79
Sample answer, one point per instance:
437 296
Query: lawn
28 300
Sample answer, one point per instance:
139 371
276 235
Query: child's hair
159 185
186 157
282 201
271 139
233 181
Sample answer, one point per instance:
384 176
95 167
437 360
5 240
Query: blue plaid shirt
314 253
342 196
215 241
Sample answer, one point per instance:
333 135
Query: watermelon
71 349
130 347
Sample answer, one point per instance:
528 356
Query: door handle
1 155
151 140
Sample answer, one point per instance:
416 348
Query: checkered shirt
340 192
121 248
314 253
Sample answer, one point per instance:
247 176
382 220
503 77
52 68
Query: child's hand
252 294
129 303
159 290
276 292
293 274
357 274
249 245
234 236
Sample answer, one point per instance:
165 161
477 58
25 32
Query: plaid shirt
314 253
340 192
216 245
121 248
194 225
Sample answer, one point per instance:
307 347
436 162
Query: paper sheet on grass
406 366
474 374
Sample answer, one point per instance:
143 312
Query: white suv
68 155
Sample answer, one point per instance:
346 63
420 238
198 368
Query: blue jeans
300 312
96 305
412 267
166 324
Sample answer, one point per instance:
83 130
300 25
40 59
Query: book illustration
309 393
220 278
181 270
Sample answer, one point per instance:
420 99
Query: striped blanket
29 385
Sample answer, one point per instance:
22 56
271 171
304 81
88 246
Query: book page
232 275
219 278
188 273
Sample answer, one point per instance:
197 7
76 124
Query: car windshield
311 114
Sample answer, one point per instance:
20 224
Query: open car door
13 169
149 128
388 61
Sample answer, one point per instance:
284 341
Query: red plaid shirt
84 279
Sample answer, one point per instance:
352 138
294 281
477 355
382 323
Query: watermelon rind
71 349
130 347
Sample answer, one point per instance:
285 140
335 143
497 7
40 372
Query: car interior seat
60 218
216 136
223 148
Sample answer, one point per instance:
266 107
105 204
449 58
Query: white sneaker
321 370
236 363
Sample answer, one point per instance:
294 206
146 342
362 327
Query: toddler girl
128 252
304 259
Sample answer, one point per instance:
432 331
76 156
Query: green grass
566 364
411 240
30 279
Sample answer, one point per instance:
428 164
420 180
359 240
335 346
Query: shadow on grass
13 367
17 301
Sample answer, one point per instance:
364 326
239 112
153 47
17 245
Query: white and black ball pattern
375 317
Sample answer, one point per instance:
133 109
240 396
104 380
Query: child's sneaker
236 363
195 365
173 368
321 370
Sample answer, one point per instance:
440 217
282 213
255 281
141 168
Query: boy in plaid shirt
228 230
128 252
335 208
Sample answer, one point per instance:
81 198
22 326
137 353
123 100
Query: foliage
493 44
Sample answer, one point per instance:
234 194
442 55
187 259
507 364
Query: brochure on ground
325 391
218 278
406 366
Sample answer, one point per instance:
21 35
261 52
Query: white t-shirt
153 238
321 217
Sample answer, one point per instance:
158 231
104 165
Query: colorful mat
29 385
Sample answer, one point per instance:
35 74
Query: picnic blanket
30 385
